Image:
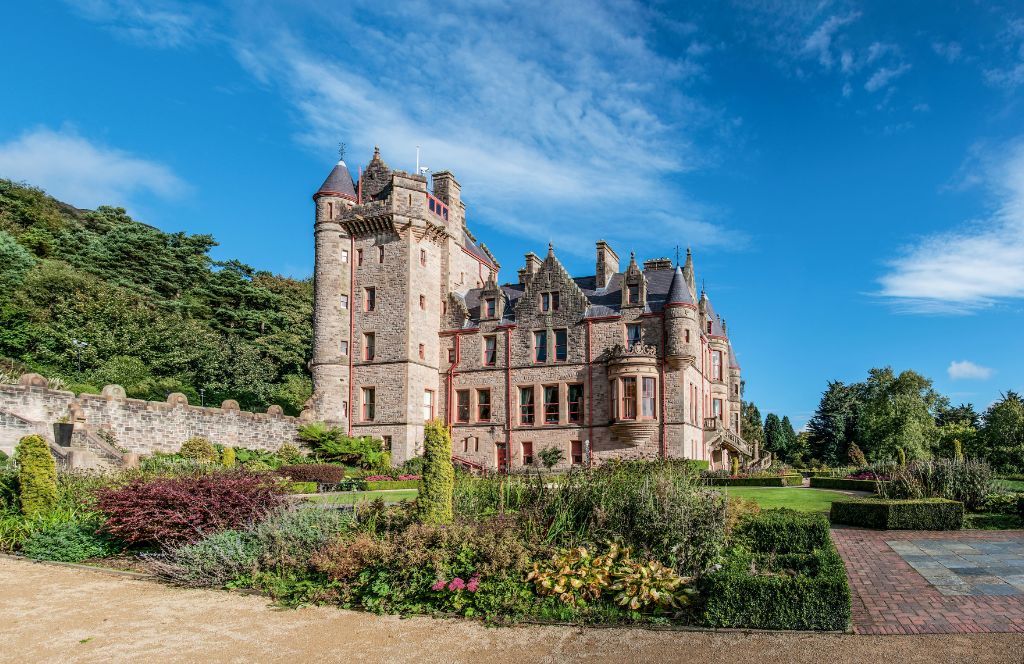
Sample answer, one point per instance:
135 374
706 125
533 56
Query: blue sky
850 175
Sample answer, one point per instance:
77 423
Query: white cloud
972 268
85 174
950 51
967 370
819 43
157 23
884 76
1010 73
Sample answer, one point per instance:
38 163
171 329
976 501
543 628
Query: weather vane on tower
341 152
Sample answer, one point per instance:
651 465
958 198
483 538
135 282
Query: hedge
384 485
925 514
802 584
302 487
843 483
788 480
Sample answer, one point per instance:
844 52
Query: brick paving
891 597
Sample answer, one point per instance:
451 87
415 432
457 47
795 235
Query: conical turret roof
678 290
338 183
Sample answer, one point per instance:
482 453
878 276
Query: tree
831 429
1002 433
434 503
898 413
15 262
750 425
37 475
551 456
775 439
790 435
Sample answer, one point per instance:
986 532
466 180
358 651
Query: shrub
747 481
844 484
71 542
783 531
1001 503
198 449
168 511
883 514
331 444
435 499
9 490
321 473
37 475
965 481
290 454
575 575
551 456
856 456
227 459
412 466
302 487
173 465
738 508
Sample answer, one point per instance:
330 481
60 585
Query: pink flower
474 583
438 585
456 584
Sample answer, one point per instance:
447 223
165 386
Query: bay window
647 403
628 409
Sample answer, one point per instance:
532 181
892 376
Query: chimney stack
607 264
533 264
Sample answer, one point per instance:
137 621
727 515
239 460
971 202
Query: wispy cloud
156 23
1009 74
819 42
962 271
84 173
950 51
884 76
967 370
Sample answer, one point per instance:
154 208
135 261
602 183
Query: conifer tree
435 500
37 475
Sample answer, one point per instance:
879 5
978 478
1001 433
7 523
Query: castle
410 323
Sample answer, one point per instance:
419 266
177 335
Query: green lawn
802 500
350 497
1012 485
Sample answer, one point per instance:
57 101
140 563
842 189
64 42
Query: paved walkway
916 582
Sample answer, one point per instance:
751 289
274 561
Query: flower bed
843 484
883 514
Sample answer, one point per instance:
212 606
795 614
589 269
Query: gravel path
59 614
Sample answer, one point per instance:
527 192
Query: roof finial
677 255
341 152
376 151
551 249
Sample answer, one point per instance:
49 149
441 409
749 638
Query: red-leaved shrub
173 510
322 473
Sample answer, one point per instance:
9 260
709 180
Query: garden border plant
885 514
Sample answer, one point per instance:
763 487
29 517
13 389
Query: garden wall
141 427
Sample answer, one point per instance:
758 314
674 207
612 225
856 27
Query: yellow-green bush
435 499
227 459
37 475
199 449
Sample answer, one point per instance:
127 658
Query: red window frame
490 307
540 346
552 409
433 404
648 402
716 409
483 405
490 350
369 346
526 404
575 404
576 452
527 452
462 405
369 299
368 405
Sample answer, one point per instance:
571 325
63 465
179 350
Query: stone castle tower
411 323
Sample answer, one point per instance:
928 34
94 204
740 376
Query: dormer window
490 307
709 327
549 301
634 294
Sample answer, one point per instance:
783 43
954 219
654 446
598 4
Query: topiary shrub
227 459
880 514
783 531
69 542
318 473
199 449
37 475
435 500
167 511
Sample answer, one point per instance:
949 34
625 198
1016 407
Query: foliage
750 424
199 449
844 484
158 314
167 511
834 422
958 450
576 576
290 454
319 473
735 465
331 444
1001 503
228 457
856 456
775 439
736 509
1002 433
435 499
37 475
69 541
886 514
551 456
966 481
783 531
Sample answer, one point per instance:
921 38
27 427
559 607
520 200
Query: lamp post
202 397
79 345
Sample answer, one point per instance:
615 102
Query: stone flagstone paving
914 582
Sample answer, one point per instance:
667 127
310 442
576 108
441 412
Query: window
330 210
483 405
490 307
359 256
423 301
716 408
428 405
380 254
462 407
387 443
369 396
628 399
527 453
344 348
476 443
369 346
709 327
576 402
540 346
344 301
423 257
633 334
576 453
526 405
686 335
716 365
490 350
693 404
549 301
451 356
369 298
736 422
551 409
561 345
423 352
634 294
344 255
613 407
647 403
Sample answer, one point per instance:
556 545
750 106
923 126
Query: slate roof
475 249
338 183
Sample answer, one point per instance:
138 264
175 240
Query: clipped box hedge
385 485
925 514
843 483
302 487
788 480
800 580
793 480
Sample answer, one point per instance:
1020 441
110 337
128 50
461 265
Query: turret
680 323
332 295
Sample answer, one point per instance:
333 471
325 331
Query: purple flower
456 584
438 585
